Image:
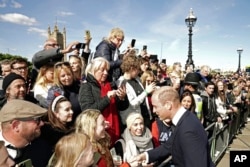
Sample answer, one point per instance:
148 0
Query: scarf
110 113
136 144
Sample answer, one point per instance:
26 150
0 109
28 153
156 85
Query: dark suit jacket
188 144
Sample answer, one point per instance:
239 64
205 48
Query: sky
222 27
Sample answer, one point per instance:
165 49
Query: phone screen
25 163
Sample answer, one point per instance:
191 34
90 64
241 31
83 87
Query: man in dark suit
188 144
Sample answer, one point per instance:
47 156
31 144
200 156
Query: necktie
18 151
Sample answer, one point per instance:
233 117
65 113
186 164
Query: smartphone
80 46
87 34
144 47
133 43
123 83
25 163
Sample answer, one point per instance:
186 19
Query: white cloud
65 13
17 18
41 32
15 4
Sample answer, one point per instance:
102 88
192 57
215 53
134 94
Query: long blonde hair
86 123
69 148
41 78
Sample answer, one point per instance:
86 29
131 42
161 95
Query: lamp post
239 50
190 22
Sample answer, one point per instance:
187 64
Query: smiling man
188 143
21 123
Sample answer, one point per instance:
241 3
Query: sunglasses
59 64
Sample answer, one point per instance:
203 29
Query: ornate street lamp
190 22
239 50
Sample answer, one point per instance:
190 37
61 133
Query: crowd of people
106 108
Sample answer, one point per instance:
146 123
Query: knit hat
20 110
132 117
9 79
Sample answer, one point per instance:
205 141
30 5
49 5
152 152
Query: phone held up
144 47
80 46
87 34
133 43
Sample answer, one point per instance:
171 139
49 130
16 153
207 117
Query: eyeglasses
21 68
120 40
53 45
36 120
59 64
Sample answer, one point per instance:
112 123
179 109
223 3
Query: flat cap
20 109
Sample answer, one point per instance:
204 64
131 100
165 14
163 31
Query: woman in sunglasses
65 84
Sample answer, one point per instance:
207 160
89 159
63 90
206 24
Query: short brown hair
130 62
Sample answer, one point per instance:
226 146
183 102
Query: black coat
90 96
41 149
107 50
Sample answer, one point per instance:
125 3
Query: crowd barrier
222 135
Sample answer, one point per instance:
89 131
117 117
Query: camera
80 46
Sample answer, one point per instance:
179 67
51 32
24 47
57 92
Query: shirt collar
178 115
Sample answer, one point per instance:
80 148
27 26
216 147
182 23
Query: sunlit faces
220 86
64 112
134 72
137 127
49 75
100 127
5 160
29 130
117 41
186 102
102 73
21 69
66 77
149 79
87 156
5 69
210 89
75 64
162 111
144 66
17 89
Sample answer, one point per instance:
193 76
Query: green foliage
4 56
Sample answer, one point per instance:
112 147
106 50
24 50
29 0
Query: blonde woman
109 49
65 84
77 66
43 82
92 123
73 150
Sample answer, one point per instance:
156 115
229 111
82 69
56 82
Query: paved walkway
241 142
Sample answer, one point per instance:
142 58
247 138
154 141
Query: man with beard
20 124
14 88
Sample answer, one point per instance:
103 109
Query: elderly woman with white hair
136 138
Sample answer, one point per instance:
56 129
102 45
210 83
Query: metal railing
221 136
